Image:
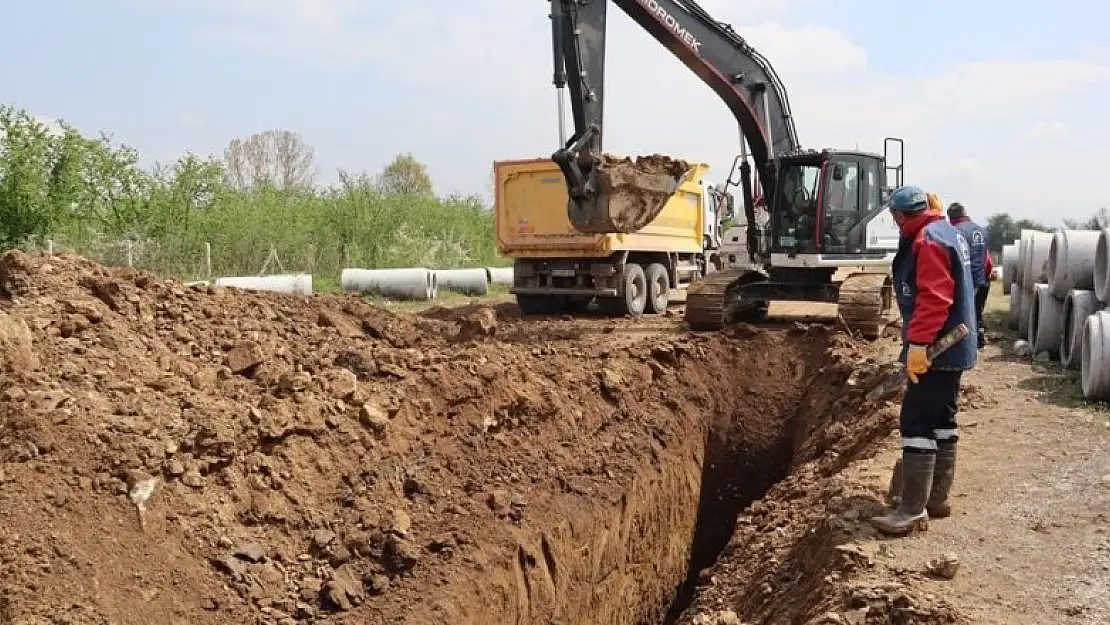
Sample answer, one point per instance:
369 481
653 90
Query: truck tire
659 288
634 294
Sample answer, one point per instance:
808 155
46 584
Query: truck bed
530 212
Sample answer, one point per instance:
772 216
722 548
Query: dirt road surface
174 454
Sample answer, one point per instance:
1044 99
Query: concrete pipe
1016 295
1102 267
1036 259
1009 263
1078 305
415 283
1094 365
1046 322
1071 261
296 284
468 281
1023 256
500 275
1026 313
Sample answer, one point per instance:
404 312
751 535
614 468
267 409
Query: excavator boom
616 195
826 206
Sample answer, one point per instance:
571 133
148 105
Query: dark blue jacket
976 237
935 290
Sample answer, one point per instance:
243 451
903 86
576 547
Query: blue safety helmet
908 199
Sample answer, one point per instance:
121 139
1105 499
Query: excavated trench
769 411
320 460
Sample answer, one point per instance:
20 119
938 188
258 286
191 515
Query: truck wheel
634 291
659 288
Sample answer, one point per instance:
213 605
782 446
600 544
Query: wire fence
206 261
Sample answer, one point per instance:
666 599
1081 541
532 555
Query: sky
1001 104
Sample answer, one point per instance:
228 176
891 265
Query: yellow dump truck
557 268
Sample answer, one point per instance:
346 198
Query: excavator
825 206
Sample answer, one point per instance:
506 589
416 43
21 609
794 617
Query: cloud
190 120
967 167
1047 130
487 67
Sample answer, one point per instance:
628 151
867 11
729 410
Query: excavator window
795 213
842 206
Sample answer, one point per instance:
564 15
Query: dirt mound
630 193
207 455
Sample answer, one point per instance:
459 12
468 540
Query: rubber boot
939 507
917 483
894 490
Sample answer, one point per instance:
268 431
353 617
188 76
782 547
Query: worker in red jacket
982 265
935 293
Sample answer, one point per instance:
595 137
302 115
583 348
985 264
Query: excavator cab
824 202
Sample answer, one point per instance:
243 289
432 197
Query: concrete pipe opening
1046 325
1071 261
416 283
1078 305
1101 277
1094 372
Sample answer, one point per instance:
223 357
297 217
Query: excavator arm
611 195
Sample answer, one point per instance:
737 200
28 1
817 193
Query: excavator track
865 302
709 305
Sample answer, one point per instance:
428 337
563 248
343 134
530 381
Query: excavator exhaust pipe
628 194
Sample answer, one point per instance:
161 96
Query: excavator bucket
630 194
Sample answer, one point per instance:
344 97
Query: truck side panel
531 217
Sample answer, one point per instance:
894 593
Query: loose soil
632 193
208 455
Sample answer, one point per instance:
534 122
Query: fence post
130 254
50 247
207 260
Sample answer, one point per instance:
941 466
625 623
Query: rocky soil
200 454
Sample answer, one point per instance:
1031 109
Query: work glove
917 362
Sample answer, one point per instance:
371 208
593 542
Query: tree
1002 229
405 176
274 158
1098 221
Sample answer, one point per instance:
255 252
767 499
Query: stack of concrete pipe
1094 342
1059 286
421 284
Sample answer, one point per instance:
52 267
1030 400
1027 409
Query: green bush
62 190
